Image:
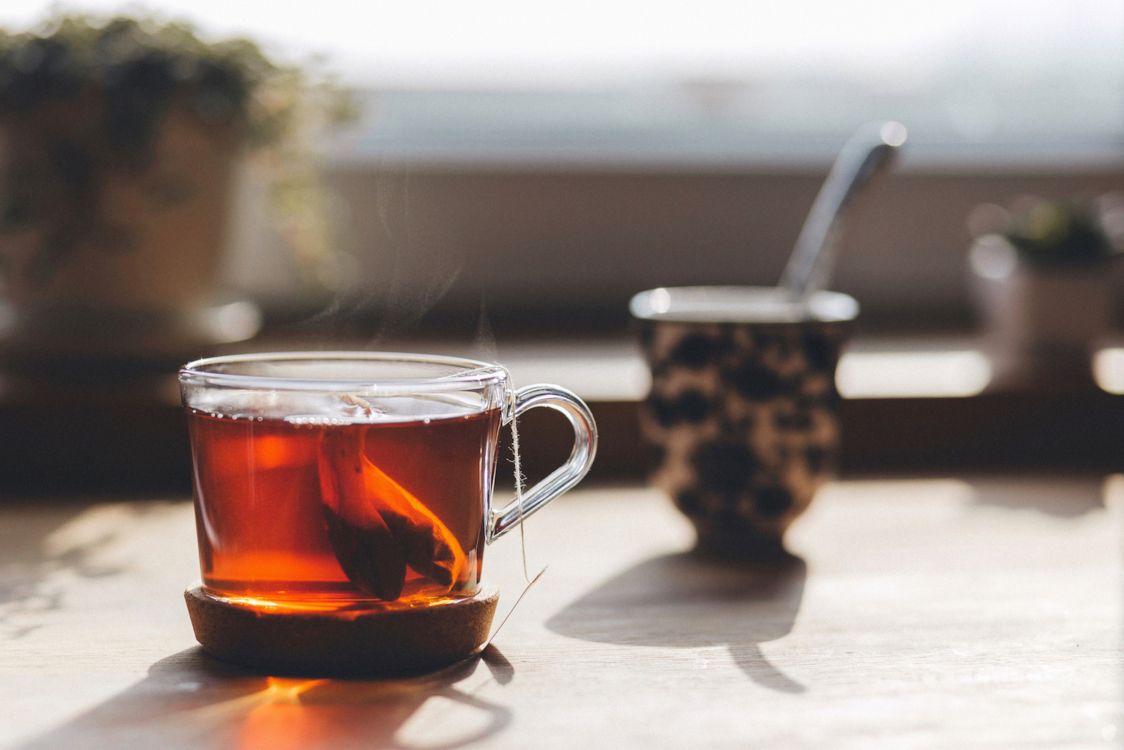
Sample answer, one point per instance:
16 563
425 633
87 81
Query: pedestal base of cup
369 643
738 544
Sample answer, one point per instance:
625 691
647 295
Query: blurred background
510 175
568 157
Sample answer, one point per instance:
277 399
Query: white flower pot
1041 325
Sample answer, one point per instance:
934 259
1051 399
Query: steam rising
484 345
403 268
418 270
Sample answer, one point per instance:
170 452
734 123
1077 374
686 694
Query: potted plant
1043 276
120 141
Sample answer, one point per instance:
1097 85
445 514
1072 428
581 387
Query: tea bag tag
511 611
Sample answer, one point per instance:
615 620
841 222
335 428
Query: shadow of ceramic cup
742 416
683 601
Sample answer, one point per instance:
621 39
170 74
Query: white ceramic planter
1040 325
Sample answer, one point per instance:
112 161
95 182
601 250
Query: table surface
913 613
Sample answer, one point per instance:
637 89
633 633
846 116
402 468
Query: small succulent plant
1058 233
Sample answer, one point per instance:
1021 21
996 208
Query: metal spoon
869 151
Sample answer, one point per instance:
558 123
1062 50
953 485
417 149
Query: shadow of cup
742 417
682 601
189 699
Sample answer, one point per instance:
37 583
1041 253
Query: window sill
910 405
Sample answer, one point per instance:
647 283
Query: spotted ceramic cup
742 417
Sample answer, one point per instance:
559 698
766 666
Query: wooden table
914 613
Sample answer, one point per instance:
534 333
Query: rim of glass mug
740 304
459 372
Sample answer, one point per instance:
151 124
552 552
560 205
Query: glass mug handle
568 474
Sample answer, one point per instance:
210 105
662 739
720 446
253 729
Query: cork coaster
375 643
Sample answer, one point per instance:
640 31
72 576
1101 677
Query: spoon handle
869 151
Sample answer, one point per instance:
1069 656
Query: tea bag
364 545
422 540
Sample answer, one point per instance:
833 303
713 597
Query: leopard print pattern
742 422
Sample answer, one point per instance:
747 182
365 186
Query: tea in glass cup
343 481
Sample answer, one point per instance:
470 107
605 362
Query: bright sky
516 42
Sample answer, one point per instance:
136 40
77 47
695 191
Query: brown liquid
328 516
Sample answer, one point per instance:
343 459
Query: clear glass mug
344 480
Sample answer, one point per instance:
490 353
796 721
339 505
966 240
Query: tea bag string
520 481
519 486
